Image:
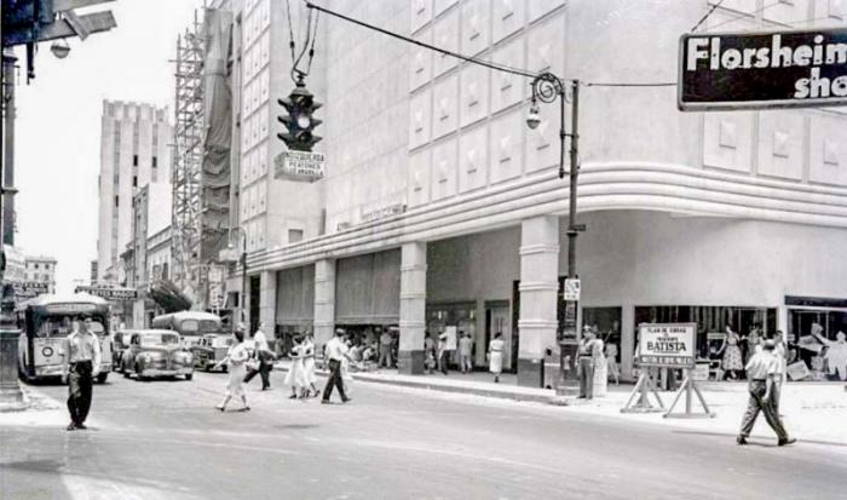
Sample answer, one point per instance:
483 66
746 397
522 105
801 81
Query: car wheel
101 377
189 376
138 373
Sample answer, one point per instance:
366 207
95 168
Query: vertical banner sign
719 71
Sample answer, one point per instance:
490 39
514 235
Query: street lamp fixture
60 48
547 87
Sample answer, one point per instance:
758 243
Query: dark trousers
265 371
334 380
758 403
586 377
80 383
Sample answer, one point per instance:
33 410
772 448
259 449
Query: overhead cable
706 16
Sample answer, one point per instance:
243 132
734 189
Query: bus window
190 326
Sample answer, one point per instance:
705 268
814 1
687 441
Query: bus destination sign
720 71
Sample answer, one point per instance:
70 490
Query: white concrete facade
134 152
424 150
41 269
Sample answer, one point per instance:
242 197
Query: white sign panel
572 290
299 166
668 344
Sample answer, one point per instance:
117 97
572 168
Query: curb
427 385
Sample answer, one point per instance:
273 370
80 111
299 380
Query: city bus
46 320
202 334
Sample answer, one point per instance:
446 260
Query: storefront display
727 335
817 339
460 315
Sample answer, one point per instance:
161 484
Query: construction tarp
217 95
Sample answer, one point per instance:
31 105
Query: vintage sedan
157 353
211 349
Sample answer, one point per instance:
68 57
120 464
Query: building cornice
671 188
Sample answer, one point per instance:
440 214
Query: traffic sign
299 166
572 290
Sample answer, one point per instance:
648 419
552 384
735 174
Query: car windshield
154 339
57 327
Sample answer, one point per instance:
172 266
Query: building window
134 160
134 181
36 265
155 162
117 202
295 235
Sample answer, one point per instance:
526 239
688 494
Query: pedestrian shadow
34 465
295 427
754 443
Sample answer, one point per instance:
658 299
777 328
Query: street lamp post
547 87
243 259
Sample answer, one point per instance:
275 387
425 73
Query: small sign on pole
299 166
573 289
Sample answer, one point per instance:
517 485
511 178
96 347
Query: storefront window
817 347
462 316
726 353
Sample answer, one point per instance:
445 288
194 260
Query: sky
57 144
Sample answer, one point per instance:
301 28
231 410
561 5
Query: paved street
164 440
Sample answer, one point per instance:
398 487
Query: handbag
252 364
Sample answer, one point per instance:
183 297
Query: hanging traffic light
299 121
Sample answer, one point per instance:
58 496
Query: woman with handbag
236 359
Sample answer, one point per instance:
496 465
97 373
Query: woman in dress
495 356
732 363
295 377
309 367
612 362
601 375
235 359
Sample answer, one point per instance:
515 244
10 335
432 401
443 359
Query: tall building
42 270
440 208
134 152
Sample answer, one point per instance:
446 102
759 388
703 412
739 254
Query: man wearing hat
763 372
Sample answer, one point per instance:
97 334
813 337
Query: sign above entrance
668 344
299 166
109 293
719 71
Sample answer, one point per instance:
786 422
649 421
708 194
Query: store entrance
497 320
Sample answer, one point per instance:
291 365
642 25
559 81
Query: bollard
11 395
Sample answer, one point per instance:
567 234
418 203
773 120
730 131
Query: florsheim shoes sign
763 70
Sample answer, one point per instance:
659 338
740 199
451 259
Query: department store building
440 207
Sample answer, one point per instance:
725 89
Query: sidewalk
814 412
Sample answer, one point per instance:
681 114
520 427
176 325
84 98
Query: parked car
157 353
120 343
210 349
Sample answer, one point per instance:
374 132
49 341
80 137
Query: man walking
265 357
586 364
80 364
336 351
763 373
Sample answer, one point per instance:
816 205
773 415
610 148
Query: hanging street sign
299 166
721 71
109 293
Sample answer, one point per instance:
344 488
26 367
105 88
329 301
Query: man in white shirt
80 365
763 371
335 351
265 357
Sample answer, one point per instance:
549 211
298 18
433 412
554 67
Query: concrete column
324 301
628 338
267 302
539 254
412 308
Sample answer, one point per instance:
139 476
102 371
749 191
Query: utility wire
634 84
312 48
706 16
290 29
473 60
294 70
746 16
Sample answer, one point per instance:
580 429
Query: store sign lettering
763 70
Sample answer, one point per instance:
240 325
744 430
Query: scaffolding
187 158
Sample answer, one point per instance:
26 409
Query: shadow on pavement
753 443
